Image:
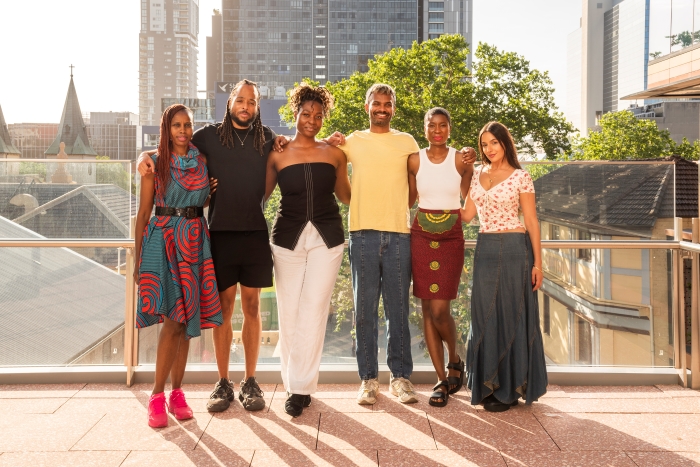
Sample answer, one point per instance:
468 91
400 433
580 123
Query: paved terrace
105 425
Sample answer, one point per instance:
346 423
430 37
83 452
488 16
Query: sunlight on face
492 148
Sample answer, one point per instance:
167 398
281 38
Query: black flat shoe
491 404
295 403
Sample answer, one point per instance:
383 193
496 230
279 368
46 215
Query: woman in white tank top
437 177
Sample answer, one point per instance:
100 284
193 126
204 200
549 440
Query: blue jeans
381 263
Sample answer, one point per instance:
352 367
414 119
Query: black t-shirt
238 202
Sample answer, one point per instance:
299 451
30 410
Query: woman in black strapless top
307 241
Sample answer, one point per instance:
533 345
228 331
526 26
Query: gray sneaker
403 389
367 395
250 395
221 398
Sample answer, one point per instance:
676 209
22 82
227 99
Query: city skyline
106 70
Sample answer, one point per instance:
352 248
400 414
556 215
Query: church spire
71 130
6 146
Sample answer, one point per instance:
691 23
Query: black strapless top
307 196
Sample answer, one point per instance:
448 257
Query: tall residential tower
438 17
279 42
608 57
167 54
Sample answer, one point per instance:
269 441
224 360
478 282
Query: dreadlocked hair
226 129
304 93
165 145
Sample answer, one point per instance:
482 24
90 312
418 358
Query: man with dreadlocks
237 150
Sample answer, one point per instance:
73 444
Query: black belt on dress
190 212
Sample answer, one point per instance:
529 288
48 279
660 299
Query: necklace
246 135
488 174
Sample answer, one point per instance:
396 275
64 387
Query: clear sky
41 38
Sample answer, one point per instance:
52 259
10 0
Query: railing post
679 302
131 334
130 331
695 313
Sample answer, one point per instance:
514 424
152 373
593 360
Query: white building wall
573 79
633 49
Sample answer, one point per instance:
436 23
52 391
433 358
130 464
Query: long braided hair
165 145
226 129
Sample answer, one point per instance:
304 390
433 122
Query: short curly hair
304 93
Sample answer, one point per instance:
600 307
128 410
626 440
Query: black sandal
439 394
457 381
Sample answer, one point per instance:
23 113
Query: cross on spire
71 70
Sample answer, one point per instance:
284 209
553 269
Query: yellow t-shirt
379 180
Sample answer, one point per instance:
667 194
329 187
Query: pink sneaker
157 416
178 405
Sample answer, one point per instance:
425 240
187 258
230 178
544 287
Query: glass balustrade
598 306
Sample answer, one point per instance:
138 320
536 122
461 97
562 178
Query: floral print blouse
498 207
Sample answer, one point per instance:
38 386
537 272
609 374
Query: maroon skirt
437 254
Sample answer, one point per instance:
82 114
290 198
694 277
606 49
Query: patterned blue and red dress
176 272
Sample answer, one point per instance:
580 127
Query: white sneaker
403 389
368 392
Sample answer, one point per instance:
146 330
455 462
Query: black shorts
242 257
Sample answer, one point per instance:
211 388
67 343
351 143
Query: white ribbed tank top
438 184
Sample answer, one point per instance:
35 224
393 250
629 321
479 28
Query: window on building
584 254
436 6
554 232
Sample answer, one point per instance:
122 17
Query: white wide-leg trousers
304 280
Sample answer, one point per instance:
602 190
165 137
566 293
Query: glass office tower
279 42
626 52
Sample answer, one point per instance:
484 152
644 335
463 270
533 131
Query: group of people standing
190 270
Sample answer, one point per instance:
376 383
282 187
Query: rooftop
90 424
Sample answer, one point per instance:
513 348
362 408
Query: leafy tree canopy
501 86
623 136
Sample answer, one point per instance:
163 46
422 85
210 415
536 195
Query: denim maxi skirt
505 354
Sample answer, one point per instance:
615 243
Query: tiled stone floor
105 425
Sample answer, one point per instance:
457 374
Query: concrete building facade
215 53
613 46
438 17
167 54
280 42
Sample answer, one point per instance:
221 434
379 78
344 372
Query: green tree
684 38
114 174
688 150
623 136
502 86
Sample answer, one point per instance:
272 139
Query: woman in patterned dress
175 273
439 178
505 354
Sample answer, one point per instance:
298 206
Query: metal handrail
599 162
66 243
54 160
690 246
523 162
550 244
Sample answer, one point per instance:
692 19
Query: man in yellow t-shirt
380 244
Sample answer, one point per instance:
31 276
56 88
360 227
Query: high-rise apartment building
215 54
613 47
167 54
438 17
279 42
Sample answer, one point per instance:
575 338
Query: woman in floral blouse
505 354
